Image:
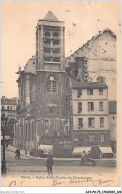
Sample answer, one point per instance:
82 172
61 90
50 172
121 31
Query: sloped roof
50 16
6 101
31 65
93 37
112 107
92 85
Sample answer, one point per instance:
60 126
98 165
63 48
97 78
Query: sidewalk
22 152
105 162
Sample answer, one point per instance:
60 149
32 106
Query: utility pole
4 121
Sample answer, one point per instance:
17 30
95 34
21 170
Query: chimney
101 80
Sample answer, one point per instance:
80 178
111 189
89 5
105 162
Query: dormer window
90 92
79 93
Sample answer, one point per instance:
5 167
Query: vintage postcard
60 97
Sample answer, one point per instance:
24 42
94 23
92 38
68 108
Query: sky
83 19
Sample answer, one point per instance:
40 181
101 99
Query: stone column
27 90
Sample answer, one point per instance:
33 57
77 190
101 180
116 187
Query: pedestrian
83 154
16 152
49 164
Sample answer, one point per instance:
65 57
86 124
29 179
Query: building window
47 34
90 106
91 138
47 50
47 41
91 122
80 123
56 59
101 106
29 131
26 131
101 121
55 35
50 109
10 107
79 107
56 42
7 107
57 50
2 107
100 91
56 126
79 93
46 124
48 86
102 138
90 91
54 86
47 59
51 86
32 132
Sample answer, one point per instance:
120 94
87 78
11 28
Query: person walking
17 152
83 154
49 164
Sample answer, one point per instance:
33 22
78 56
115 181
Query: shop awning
106 150
46 148
78 150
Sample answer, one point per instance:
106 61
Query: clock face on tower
51 78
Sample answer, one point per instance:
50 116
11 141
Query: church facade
43 111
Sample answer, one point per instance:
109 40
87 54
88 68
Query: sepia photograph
60 93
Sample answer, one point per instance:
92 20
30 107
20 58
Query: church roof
50 17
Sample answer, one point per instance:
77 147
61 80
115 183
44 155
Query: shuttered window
80 123
90 106
91 122
79 107
101 106
101 121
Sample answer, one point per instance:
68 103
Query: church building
43 106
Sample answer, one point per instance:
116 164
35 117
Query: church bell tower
51 104
50 43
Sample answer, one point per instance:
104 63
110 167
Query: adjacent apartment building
9 107
89 121
9 110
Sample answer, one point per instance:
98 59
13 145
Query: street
33 172
37 166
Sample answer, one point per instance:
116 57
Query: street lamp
3 128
